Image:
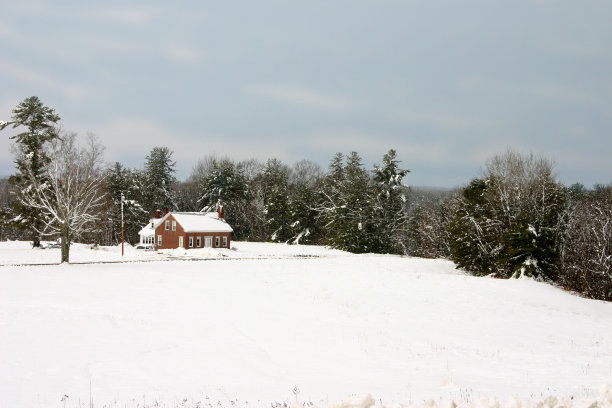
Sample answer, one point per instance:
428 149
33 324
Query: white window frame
190 242
217 242
173 225
225 241
159 240
167 225
199 242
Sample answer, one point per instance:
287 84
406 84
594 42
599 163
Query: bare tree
72 191
429 224
306 172
586 257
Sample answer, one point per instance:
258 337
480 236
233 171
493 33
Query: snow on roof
201 222
149 229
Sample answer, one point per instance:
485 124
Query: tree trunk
65 236
36 237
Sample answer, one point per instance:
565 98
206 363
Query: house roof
200 221
149 229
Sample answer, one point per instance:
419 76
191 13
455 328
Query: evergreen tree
226 187
347 206
129 183
474 231
277 211
509 223
31 160
391 216
188 195
8 231
305 225
331 196
160 180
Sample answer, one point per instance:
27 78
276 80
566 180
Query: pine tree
474 231
347 206
31 159
509 222
391 216
226 187
331 197
129 183
277 211
305 226
160 180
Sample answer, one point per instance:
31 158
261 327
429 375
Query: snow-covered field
21 253
244 326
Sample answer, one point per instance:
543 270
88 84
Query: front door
207 242
181 242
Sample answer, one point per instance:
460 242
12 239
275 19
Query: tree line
515 219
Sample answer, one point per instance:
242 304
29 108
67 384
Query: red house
192 230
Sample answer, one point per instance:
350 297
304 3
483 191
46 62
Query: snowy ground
21 253
242 327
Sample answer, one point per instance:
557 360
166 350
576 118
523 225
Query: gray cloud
446 84
302 97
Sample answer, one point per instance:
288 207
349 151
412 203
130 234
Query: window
216 242
224 242
173 225
167 225
159 240
190 242
199 242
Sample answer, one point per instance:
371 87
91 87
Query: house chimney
220 211
165 210
157 214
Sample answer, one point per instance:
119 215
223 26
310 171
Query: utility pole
122 199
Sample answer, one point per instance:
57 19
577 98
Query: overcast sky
447 84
